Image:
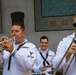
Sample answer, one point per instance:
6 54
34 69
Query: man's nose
44 43
14 33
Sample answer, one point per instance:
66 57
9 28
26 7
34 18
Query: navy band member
18 57
44 57
61 50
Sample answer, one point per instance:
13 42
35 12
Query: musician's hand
72 50
43 69
3 38
8 46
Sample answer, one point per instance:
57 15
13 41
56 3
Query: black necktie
44 58
9 63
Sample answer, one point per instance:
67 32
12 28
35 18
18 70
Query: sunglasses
74 24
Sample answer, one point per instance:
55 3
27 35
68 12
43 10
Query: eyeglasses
74 24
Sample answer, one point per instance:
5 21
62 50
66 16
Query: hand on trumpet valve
5 43
8 46
3 39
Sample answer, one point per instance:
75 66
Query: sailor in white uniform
19 57
44 57
64 45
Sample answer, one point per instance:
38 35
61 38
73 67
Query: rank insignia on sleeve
30 55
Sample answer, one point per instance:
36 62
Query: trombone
57 69
6 40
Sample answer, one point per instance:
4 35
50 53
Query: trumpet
6 40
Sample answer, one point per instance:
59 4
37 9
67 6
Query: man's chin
44 49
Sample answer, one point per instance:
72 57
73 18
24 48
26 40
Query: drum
38 74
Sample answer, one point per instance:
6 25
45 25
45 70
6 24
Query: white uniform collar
43 51
73 35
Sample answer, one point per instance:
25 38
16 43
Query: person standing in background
44 57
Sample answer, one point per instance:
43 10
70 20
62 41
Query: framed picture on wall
53 15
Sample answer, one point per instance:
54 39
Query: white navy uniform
21 62
39 61
62 48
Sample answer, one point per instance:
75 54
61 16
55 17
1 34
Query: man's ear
24 33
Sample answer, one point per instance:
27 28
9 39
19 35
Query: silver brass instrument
6 40
57 69
71 59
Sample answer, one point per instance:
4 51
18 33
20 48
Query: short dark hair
43 37
19 24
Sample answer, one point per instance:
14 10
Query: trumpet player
19 56
62 49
